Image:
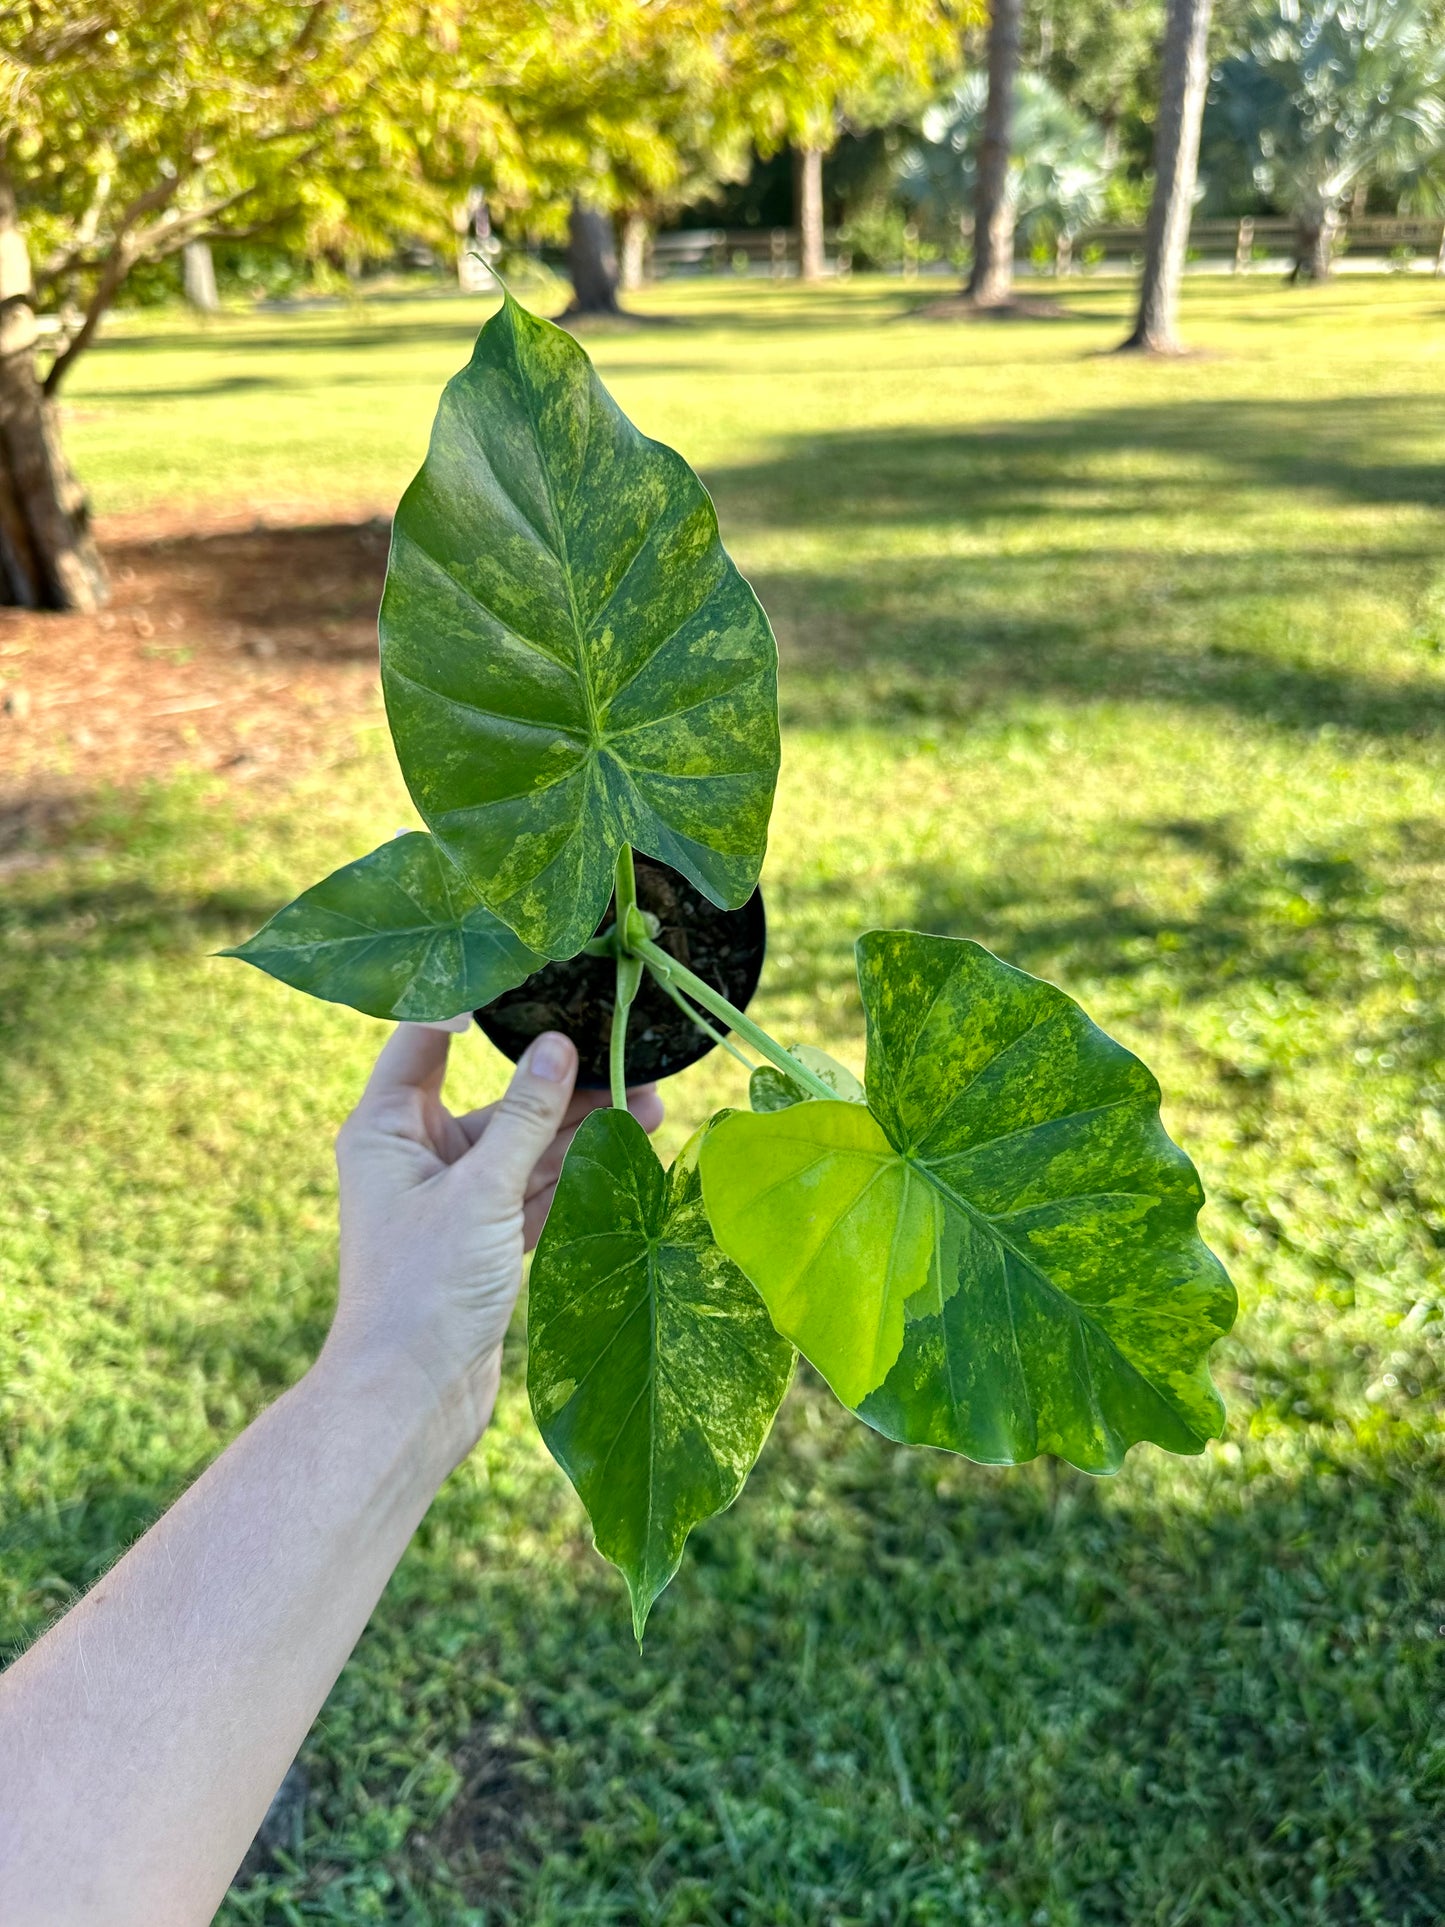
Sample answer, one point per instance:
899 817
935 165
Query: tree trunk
990 279
1314 247
592 261
198 271
635 235
476 245
1184 74
48 558
808 180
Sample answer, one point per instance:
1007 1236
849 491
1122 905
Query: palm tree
1183 76
1323 98
1057 175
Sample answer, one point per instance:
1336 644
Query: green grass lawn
1133 671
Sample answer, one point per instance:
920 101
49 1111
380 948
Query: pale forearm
142 1739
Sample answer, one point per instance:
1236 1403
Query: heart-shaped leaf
399 933
999 1255
770 1089
653 1369
570 660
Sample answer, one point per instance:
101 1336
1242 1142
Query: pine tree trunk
808 174
198 270
635 233
48 558
1184 74
592 261
990 280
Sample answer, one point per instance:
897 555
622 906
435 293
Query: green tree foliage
1059 171
626 103
1319 98
801 70
132 127
135 128
798 68
1103 59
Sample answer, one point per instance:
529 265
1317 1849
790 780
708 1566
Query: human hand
436 1212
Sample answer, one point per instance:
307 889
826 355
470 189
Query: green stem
708 1030
629 976
669 970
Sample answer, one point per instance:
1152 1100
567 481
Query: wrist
430 1426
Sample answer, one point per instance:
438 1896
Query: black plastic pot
723 947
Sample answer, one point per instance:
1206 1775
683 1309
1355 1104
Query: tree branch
164 238
66 260
117 266
120 258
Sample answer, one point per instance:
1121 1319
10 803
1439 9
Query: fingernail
550 1057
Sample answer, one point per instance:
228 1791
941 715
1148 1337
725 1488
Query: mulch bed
228 645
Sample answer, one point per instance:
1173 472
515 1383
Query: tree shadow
52 940
1007 469
920 630
1306 917
954 640
1317 927
312 590
889 1683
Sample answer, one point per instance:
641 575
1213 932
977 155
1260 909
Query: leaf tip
643 1601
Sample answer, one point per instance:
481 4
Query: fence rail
1244 243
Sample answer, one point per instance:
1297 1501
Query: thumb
528 1117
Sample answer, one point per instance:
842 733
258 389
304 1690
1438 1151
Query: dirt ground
227 645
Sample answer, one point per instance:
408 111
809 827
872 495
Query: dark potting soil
723 947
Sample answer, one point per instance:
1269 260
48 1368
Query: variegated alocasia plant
987 1245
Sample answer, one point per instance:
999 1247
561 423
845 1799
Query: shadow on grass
1311 918
55 942
889 1686
1247 629
1002 471
958 640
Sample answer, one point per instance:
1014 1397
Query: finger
412 1059
474 1123
548 1167
528 1117
646 1106
457 1026
583 1104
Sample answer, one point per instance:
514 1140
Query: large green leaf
570 660
999 1255
653 1369
399 933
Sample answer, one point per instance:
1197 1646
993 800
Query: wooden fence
1254 241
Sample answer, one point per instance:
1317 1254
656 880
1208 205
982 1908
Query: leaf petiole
629 976
669 971
696 1017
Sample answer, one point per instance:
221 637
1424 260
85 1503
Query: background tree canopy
1319 100
1058 174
